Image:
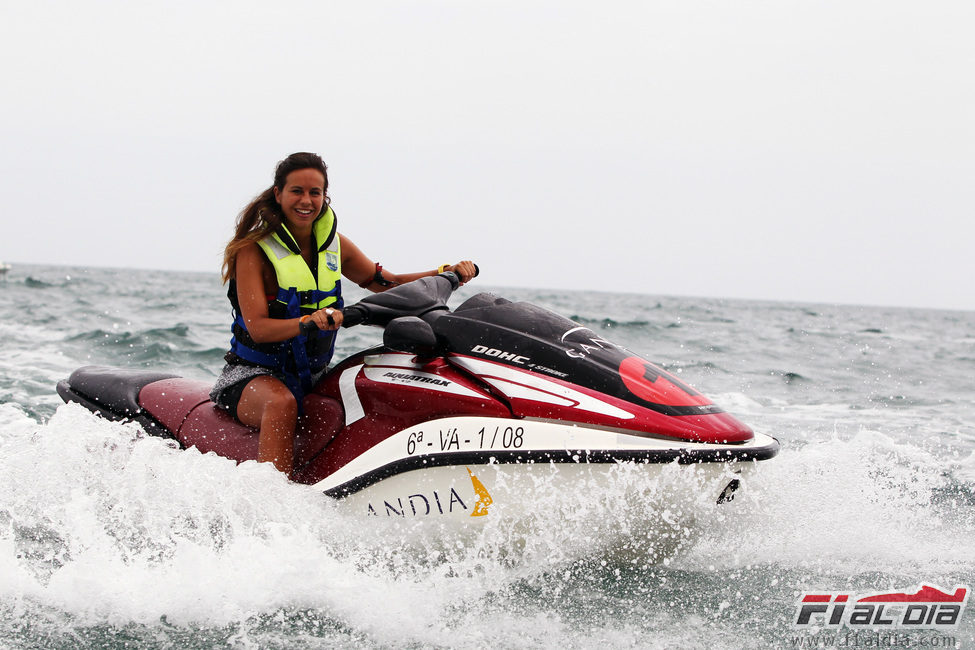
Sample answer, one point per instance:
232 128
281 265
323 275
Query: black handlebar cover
422 298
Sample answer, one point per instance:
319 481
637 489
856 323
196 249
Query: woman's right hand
328 318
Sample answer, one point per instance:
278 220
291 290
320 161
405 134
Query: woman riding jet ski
285 265
464 413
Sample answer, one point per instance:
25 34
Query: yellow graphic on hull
483 496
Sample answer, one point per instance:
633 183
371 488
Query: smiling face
302 198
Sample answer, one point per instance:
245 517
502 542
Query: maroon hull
391 407
183 406
394 392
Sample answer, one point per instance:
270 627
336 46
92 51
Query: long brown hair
263 215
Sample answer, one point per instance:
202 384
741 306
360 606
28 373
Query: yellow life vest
314 292
301 290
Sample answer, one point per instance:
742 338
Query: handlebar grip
306 327
353 315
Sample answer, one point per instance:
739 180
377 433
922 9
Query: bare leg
267 403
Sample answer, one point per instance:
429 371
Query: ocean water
112 539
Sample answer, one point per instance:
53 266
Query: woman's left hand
464 270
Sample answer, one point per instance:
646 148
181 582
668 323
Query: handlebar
412 298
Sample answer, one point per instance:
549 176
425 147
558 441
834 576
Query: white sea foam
106 524
130 531
865 504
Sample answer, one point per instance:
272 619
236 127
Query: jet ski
462 415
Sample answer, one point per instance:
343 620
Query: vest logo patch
331 261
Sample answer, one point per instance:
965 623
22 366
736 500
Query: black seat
109 391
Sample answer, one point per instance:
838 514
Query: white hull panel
475 494
558 476
467 441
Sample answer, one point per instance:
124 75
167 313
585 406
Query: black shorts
229 397
234 380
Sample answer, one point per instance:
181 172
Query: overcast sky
815 151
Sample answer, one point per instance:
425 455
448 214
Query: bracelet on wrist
378 278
